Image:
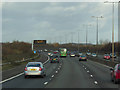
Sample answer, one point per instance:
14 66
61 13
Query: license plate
54 59
32 69
83 58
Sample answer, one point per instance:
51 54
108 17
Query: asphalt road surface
69 73
101 57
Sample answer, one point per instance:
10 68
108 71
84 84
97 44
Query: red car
55 52
115 73
106 56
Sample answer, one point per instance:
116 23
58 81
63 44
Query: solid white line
17 75
11 78
102 64
46 61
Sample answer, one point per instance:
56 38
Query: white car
34 69
88 53
49 54
80 54
94 55
72 55
45 50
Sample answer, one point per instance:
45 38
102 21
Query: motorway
69 73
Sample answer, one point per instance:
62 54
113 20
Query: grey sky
53 21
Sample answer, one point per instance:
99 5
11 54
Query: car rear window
54 57
83 56
119 67
106 55
33 65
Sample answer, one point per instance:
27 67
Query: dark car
54 58
115 73
83 58
77 54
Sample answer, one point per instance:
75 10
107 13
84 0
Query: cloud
53 20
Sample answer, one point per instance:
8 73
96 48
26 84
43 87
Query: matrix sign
39 41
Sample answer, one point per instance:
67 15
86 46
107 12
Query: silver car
34 69
94 55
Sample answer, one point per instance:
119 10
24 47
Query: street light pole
97 28
78 42
87 33
112 28
113 33
97 32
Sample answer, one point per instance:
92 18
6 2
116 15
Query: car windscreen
33 65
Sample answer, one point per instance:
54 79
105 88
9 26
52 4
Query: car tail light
50 59
40 69
26 69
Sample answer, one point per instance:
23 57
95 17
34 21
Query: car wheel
25 76
44 75
115 80
112 79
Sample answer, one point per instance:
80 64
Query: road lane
72 75
32 82
101 74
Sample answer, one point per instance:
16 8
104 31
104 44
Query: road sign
34 51
39 41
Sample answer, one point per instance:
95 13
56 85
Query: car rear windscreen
54 57
119 67
83 56
33 65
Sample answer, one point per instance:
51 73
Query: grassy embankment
16 51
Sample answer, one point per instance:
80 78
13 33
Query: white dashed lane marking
91 75
52 75
88 71
46 83
96 82
56 71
